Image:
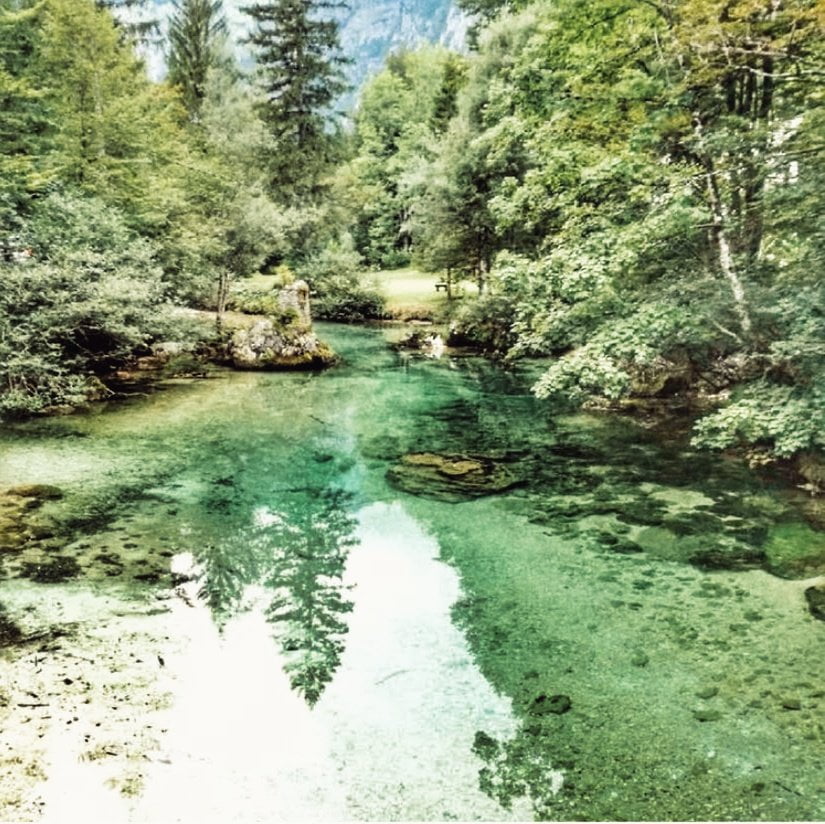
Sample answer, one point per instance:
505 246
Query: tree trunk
726 260
223 295
721 239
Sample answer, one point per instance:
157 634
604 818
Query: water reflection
297 553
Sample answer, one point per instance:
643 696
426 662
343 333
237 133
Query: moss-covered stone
41 492
728 555
794 550
451 477
815 596
267 345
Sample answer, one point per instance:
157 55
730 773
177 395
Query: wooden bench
442 286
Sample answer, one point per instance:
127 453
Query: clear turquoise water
624 571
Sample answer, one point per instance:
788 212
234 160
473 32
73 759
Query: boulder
266 345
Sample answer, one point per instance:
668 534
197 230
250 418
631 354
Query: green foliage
194 31
401 112
781 412
784 419
639 188
92 296
481 323
252 299
23 120
300 68
337 282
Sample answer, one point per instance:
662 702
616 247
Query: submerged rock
707 715
10 633
728 555
57 569
20 521
794 550
550 705
815 596
707 692
451 477
42 492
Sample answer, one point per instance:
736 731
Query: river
278 596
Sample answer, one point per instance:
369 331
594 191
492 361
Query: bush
337 282
485 322
349 304
91 297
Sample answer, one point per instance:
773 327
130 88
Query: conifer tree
131 17
301 68
194 30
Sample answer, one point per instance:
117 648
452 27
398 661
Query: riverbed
285 596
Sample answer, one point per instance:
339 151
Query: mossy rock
646 511
661 543
815 596
693 523
41 492
727 554
268 344
320 357
451 478
794 550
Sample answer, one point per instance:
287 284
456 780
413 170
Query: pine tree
24 119
131 17
301 69
194 30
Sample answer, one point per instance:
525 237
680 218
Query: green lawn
411 293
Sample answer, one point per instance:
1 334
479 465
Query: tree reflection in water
297 554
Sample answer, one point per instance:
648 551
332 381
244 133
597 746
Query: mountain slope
370 30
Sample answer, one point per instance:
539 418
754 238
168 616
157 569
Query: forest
635 188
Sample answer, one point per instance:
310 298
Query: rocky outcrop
287 342
294 299
266 345
661 377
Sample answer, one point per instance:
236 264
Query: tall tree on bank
301 70
132 16
194 31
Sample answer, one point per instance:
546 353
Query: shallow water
296 633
